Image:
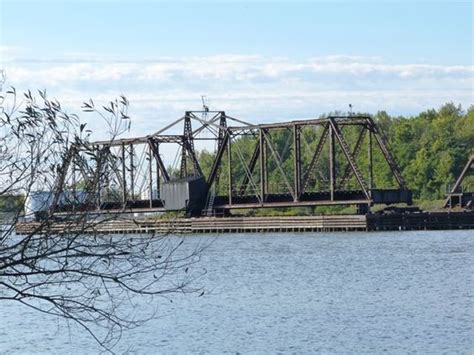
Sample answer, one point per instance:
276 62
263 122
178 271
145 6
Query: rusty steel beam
279 163
345 148
132 172
370 160
455 194
332 161
355 152
290 204
382 143
263 166
341 120
124 175
251 168
154 147
463 174
316 155
217 161
294 178
229 168
297 161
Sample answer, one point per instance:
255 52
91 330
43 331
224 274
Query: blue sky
406 32
259 61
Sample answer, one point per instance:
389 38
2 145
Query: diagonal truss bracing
296 163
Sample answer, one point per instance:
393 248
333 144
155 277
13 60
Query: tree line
431 147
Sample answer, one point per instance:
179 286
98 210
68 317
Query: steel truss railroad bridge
313 162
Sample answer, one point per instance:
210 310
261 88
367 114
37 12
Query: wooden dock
326 223
217 225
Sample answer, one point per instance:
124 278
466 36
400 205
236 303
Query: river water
298 293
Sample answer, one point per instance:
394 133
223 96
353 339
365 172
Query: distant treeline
431 148
11 203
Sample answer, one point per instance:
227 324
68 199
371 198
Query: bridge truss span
315 162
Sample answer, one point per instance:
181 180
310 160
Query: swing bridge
314 162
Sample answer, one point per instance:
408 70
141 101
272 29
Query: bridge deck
355 197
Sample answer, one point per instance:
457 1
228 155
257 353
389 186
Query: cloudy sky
264 61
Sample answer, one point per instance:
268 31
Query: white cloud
8 54
252 87
228 67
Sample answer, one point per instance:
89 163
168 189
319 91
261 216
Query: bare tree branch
77 273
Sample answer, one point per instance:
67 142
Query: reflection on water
298 293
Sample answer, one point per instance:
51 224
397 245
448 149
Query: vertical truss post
98 153
263 165
332 162
157 171
297 161
132 173
74 180
188 147
370 160
160 166
220 142
107 172
184 167
150 175
59 185
186 130
124 178
229 158
265 156
94 186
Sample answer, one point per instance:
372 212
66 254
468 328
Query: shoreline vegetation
431 149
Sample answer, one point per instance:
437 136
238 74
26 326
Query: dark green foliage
11 203
431 148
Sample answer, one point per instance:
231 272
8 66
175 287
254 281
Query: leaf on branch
42 93
108 109
88 106
124 100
